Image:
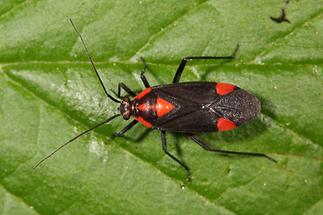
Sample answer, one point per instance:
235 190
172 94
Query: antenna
92 63
74 138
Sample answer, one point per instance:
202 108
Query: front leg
142 74
144 79
125 129
125 88
182 65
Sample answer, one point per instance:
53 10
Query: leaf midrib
168 64
2 66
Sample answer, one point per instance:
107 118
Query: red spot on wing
163 107
224 124
143 93
144 122
224 88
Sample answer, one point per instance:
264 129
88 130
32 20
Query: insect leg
207 147
183 62
125 88
142 74
164 145
144 79
125 129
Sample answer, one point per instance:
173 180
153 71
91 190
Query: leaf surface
48 94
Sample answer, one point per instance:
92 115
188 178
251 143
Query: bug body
193 107
186 108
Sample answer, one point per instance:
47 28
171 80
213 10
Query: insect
186 108
282 17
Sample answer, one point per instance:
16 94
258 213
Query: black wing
198 107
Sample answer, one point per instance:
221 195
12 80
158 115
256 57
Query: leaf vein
21 199
163 30
292 131
14 8
68 62
269 46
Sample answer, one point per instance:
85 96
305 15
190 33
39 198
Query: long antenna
92 63
74 138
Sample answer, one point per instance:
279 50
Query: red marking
163 107
224 88
144 122
224 124
143 93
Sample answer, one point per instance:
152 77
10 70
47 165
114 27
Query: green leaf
48 94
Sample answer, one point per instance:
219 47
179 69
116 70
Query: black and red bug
187 108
